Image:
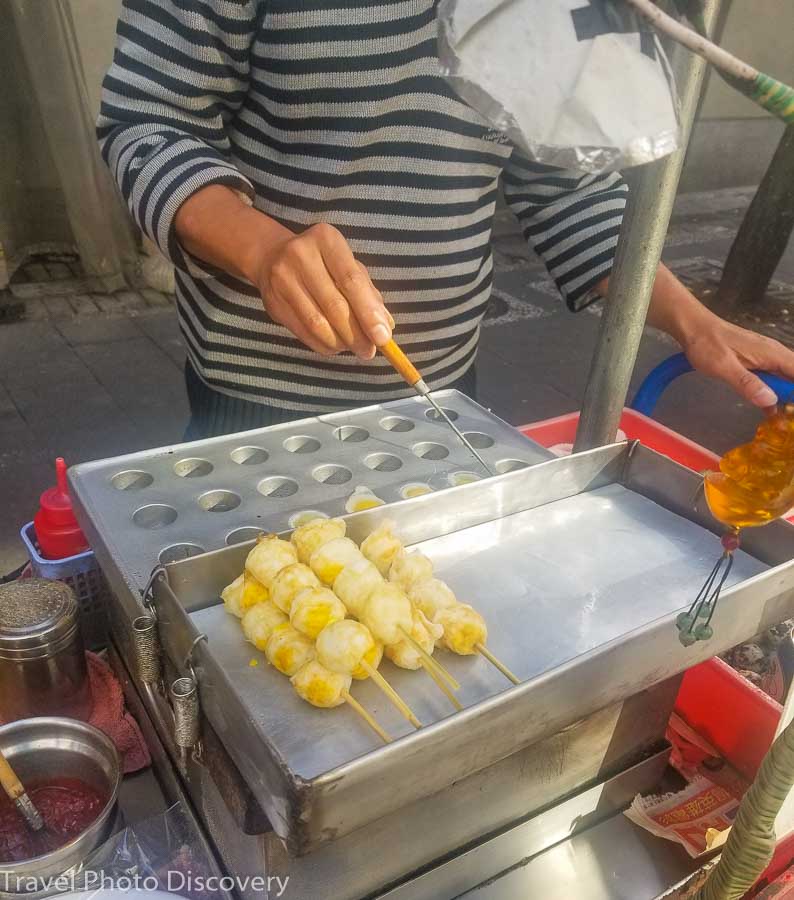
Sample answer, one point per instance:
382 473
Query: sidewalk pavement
86 375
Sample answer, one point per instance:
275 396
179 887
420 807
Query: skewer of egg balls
266 624
463 629
386 613
284 607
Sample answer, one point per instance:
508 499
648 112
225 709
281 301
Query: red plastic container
57 532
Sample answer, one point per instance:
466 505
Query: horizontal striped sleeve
180 71
571 220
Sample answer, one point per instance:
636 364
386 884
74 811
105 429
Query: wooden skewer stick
389 691
383 735
431 661
484 651
444 687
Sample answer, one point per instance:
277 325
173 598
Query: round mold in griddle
177 552
154 515
132 480
478 440
434 416
383 462
278 487
249 456
397 423
330 473
242 535
193 468
456 479
351 434
430 450
510 465
301 443
415 489
219 501
305 515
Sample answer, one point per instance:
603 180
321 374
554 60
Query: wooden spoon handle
8 779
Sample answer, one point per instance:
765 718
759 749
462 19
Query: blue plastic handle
660 378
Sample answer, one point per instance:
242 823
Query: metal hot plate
175 502
579 565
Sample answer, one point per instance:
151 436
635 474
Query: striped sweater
333 112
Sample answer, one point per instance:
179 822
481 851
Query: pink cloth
110 716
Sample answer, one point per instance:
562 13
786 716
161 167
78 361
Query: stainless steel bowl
49 747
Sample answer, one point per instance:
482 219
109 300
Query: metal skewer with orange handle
411 374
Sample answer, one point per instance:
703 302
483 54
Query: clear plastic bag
579 84
163 853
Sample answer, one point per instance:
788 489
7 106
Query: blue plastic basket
84 577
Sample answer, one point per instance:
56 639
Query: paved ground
86 375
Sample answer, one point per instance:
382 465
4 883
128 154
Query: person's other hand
726 351
312 284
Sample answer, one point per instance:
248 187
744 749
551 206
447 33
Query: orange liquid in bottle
755 484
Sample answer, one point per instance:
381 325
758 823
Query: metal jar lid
37 618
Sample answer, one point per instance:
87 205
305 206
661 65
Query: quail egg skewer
354 585
323 688
273 564
347 646
414 573
413 651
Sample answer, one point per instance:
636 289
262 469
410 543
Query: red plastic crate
637 427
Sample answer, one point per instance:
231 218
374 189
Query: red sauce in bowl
67 805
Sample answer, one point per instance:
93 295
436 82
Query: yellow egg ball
314 609
259 623
382 546
310 537
342 645
269 557
232 596
430 595
355 583
287 649
254 592
464 628
408 568
317 685
289 582
329 560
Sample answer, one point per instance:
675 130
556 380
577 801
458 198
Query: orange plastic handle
401 363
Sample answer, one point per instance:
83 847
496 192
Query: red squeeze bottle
57 531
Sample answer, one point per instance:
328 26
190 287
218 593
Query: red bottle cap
57 531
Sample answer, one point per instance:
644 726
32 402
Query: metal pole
639 250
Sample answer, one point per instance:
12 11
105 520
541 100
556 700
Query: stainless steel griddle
579 565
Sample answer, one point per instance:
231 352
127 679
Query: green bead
704 632
686 638
685 621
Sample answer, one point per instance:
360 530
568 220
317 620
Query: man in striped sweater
317 184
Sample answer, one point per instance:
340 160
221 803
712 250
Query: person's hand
716 347
312 284
726 351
